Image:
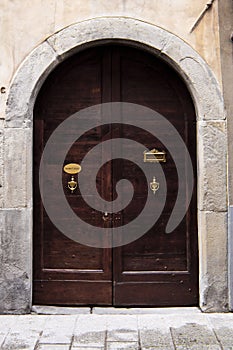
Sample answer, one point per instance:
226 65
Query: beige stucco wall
26 23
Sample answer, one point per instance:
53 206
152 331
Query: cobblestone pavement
69 329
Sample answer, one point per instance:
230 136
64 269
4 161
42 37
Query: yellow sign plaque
154 156
72 168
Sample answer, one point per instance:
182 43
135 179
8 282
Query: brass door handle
72 184
154 185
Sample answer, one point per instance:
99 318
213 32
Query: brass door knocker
72 184
154 185
73 169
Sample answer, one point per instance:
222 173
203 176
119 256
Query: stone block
16 260
26 84
212 166
213 262
205 88
66 41
18 168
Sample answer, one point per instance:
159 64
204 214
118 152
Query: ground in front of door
68 329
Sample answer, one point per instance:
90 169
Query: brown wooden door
157 269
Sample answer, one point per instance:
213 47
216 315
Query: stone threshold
60 310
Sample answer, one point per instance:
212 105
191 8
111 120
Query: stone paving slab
162 331
90 330
24 333
152 338
58 329
223 328
155 331
122 328
6 323
193 336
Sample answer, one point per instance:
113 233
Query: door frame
211 150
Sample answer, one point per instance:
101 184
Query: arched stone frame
16 216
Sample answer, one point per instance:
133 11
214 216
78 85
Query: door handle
154 185
72 184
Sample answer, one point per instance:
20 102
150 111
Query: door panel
157 269
66 272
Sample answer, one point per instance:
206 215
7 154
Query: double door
156 269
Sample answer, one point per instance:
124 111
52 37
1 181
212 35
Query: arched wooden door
155 270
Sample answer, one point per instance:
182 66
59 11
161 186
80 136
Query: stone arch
211 146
